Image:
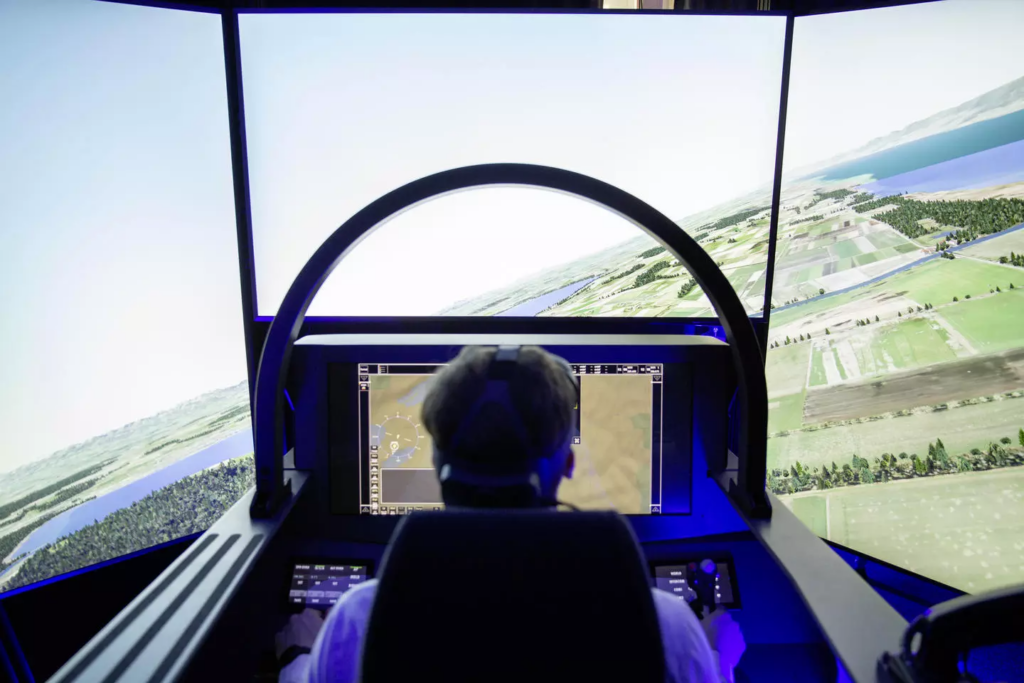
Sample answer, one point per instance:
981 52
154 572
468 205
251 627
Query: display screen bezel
335 416
717 558
292 607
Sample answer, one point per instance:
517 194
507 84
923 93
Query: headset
475 485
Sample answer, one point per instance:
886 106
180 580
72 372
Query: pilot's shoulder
358 599
335 652
688 657
675 616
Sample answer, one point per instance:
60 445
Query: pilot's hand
300 631
726 639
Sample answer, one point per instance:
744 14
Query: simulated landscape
896 351
148 482
638 278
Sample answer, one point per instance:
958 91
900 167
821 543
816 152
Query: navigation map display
680 111
617 442
896 361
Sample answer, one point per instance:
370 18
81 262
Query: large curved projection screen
896 367
341 108
124 377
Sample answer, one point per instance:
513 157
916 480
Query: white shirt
334 657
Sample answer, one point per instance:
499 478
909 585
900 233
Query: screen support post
748 487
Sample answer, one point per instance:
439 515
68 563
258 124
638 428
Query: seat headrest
513 595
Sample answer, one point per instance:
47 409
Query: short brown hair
541 391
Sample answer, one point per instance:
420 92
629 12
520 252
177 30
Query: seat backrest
513 596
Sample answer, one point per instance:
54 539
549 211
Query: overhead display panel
681 111
124 376
896 367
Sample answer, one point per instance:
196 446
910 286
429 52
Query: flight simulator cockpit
785 418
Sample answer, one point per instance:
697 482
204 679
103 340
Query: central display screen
342 108
617 441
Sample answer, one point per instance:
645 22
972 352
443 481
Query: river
531 308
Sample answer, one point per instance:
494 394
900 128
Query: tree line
185 507
1013 259
733 219
64 494
891 467
686 288
809 219
632 269
9 508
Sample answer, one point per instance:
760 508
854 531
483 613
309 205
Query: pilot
542 393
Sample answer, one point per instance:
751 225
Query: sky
859 75
681 111
119 289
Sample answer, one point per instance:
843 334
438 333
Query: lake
934 149
531 308
83 515
998 166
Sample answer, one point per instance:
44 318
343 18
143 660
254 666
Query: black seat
525 596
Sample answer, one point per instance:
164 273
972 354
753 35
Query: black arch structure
747 487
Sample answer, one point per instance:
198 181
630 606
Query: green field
842 369
965 530
811 509
786 369
938 281
785 412
817 306
999 246
906 345
935 282
846 249
994 323
961 429
817 378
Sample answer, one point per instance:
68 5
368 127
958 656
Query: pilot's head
485 440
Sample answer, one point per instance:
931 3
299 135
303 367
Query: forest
650 275
733 219
185 507
834 194
653 251
975 218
